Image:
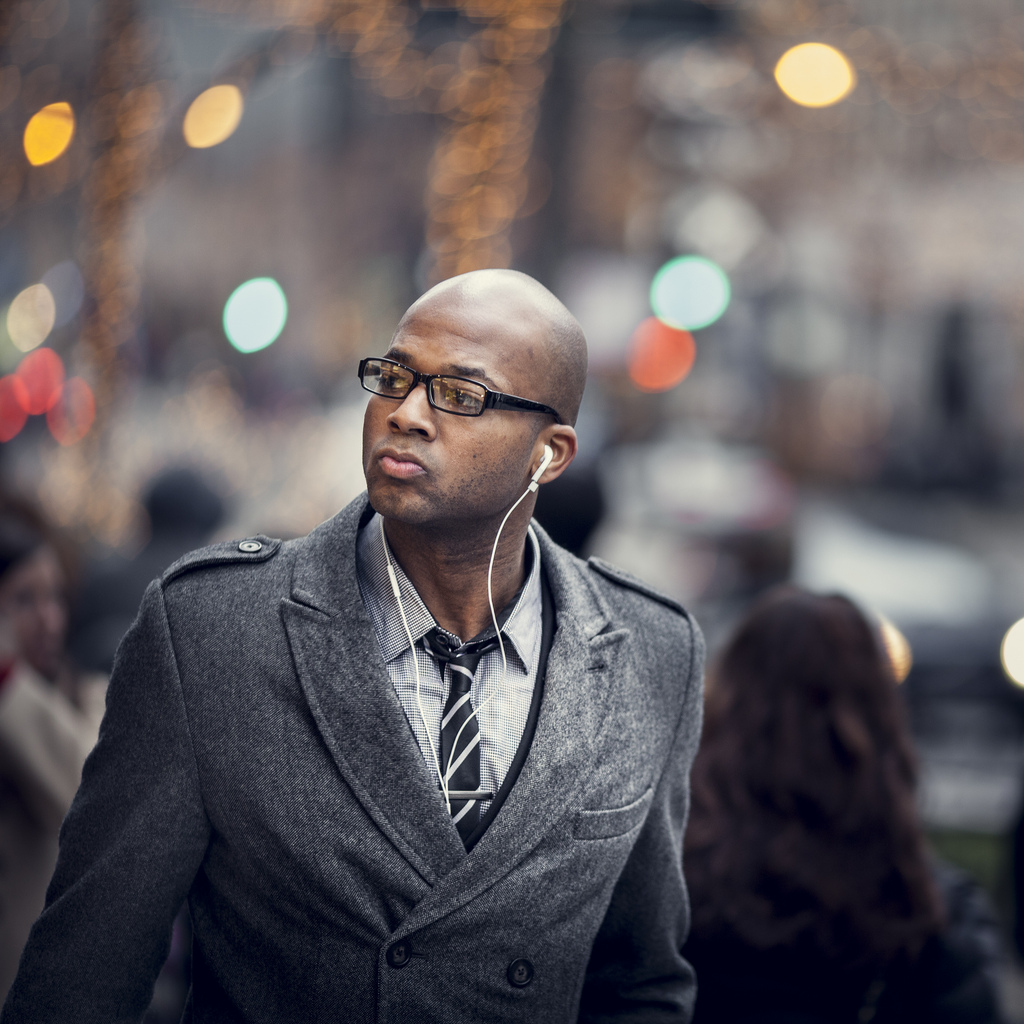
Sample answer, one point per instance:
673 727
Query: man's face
427 467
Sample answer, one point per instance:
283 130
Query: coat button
250 546
520 973
399 953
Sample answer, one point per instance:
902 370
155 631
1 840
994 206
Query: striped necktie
460 733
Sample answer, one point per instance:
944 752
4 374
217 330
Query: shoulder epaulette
228 552
625 579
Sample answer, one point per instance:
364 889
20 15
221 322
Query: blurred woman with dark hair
814 895
49 721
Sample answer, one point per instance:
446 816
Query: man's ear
562 439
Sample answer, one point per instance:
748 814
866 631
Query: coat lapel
357 712
588 660
353 701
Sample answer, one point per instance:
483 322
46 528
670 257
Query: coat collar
356 710
355 707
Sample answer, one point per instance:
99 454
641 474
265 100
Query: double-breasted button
398 953
520 973
250 546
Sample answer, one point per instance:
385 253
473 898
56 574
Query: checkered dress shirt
502 718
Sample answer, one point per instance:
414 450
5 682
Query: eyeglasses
457 395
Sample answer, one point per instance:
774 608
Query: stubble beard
462 516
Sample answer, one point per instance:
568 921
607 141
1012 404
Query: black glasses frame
492 399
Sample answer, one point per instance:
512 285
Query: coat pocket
615 822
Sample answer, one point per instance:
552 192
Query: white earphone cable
443 776
501 644
415 665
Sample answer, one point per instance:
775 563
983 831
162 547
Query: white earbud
544 463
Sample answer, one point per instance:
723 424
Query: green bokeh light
690 292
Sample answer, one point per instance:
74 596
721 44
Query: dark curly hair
803 830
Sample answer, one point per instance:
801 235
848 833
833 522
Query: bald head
519 312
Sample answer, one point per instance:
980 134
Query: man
279 744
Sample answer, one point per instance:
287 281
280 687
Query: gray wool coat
254 759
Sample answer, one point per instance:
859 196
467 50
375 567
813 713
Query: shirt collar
520 625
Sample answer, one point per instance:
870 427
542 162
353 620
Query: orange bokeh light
13 399
660 356
71 416
42 374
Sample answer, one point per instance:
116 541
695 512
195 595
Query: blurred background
790 228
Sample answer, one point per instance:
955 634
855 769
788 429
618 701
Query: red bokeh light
71 416
42 374
13 400
660 356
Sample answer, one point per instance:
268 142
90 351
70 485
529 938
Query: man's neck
449 571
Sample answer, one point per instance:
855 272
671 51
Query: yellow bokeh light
897 647
1011 653
30 317
815 75
213 116
48 133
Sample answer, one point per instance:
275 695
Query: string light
897 648
815 75
48 133
31 317
213 116
479 175
117 176
488 89
1011 651
126 116
972 95
42 374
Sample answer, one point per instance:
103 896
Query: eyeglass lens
457 396
386 378
448 393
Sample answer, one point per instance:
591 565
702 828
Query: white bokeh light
255 314
1011 653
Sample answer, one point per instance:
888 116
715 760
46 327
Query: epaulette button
250 546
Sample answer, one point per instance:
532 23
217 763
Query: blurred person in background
183 511
571 508
814 895
49 721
